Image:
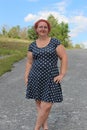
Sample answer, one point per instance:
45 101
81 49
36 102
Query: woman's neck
43 38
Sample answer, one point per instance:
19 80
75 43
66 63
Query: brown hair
42 20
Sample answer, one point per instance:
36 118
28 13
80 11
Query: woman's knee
46 106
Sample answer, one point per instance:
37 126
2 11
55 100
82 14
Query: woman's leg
38 105
43 113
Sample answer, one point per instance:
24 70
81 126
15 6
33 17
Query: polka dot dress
41 85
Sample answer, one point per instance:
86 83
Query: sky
26 12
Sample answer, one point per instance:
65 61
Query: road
19 113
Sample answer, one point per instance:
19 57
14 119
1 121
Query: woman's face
42 29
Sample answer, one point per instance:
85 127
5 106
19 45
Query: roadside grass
11 51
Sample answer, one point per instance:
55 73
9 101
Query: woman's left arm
61 52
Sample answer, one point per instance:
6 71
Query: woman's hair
42 20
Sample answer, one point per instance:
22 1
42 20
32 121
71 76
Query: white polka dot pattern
44 68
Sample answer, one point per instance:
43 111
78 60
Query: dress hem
44 100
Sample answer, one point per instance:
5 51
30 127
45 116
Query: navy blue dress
41 85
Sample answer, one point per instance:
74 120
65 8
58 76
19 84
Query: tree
78 46
63 33
53 21
59 30
54 26
4 30
23 33
14 32
31 33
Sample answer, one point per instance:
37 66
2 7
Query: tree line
58 30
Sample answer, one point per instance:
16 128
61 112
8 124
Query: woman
42 76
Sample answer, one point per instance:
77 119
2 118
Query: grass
11 51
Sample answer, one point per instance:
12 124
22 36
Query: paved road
18 113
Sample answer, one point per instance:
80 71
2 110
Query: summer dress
41 85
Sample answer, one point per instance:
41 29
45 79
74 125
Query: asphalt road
19 113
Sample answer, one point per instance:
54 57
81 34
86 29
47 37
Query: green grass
11 51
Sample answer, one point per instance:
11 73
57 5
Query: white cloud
61 6
44 15
79 23
30 17
85 44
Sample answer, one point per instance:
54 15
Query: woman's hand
58 78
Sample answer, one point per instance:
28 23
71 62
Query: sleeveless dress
41 85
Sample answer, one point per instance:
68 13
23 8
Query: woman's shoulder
31 46
32 43
56 41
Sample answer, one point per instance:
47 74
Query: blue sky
26 12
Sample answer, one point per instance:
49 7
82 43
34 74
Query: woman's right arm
28 66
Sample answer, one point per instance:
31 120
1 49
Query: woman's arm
28 66
61 52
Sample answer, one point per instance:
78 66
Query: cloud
44 15
60 6
30 17
58 10
85 44
79 25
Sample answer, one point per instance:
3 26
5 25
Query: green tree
59 30
54 26
63 33
53 21
23 33
31 33
4 30
14 32
78 46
